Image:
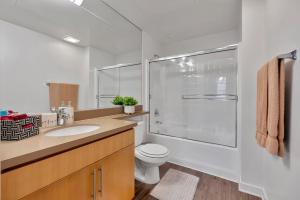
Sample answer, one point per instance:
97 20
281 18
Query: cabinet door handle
100 180
94 195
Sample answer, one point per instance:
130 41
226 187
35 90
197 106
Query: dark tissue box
20 129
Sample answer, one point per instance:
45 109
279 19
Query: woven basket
18 129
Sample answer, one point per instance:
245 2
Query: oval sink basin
72 130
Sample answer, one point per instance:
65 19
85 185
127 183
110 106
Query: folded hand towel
14 117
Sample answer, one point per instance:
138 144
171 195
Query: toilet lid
153 150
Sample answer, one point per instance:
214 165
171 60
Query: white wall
251 56
129 57
282 181
201 43
269 29
150 47
32 58
100 58
29 59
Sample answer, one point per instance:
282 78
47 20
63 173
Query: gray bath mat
176 185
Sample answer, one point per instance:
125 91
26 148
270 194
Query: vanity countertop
16 153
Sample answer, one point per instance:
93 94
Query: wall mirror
82 42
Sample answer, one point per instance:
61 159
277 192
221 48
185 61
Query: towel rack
223 97
107 96
292 55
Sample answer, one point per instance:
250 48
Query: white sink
72 130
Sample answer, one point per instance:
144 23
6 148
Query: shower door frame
203 52
118 66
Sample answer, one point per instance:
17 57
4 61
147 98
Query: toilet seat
153 150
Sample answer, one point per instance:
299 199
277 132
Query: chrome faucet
61 117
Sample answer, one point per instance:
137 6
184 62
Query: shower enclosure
119 80
194 96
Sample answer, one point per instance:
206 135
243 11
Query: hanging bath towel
270 107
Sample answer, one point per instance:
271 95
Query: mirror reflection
79 43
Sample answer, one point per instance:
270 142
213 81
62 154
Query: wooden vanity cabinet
109 178
117 176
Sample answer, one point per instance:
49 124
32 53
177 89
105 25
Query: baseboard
264 195
208 169
253 190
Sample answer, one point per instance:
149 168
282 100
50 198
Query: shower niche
194 96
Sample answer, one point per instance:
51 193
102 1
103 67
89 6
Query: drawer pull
100 180
94 195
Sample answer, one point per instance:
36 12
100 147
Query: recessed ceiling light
71 39
77 2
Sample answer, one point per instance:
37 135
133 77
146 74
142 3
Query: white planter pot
129 109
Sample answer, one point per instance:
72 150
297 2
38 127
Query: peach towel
270 107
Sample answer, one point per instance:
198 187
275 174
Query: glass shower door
131 81
108 86
115 81
195 97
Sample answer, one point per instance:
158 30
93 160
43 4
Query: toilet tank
140 129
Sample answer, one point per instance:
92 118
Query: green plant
129 101
118 100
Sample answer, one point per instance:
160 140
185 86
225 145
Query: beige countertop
16 153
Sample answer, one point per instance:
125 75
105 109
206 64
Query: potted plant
118 100
129 105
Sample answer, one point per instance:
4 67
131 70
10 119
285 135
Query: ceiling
93 23
170 21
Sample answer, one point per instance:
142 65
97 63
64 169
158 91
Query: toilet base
146 173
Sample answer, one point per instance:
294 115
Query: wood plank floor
209 187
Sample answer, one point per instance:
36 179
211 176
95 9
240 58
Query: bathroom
146 99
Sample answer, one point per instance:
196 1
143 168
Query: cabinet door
116 174
80 185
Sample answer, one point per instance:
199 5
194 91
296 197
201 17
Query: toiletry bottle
3 112
70 113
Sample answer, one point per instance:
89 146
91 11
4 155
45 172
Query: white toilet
148 156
